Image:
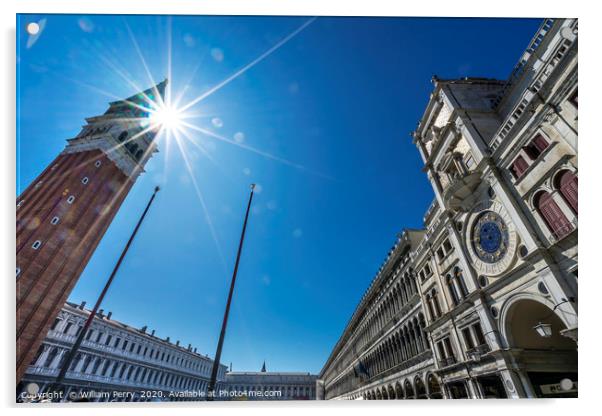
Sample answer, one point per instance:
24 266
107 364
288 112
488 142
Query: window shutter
553 216
540 143
519 166
568 189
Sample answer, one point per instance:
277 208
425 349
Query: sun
167 117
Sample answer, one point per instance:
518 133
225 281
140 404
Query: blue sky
340 99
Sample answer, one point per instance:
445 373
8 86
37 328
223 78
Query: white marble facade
266 385
115 357
482 302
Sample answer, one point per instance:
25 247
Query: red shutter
553 215
519 166
568 188
540 143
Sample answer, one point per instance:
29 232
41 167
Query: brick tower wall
47 274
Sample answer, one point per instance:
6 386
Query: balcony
565 230
477 352
459 194
447 362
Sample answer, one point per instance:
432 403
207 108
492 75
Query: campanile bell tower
65 211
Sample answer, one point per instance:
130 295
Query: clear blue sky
340 99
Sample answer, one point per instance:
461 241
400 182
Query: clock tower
65 211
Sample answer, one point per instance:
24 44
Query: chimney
177 343
109 315
167 339
194 349
100 313
143 329
81 305
189 347
153 333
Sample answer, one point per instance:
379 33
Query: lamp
543 330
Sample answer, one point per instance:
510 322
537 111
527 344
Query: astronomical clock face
490 237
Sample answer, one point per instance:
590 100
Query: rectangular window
125 344
468 338
448 345
447 246
479 334
108 341
540 143
519 166
117 340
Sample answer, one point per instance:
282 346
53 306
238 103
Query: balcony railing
446 362
565 230
477 352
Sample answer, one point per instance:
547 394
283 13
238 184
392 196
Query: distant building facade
63 214
116 358
265 385
482 302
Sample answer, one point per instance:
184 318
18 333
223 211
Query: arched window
566 183
122 136
452 289
460 281
139 154
436 306
96 365
552 214
133 148
50 358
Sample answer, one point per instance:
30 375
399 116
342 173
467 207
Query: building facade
495 268
268 385
117 362
62 215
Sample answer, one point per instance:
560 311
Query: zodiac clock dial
490 237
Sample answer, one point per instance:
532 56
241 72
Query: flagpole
212 382
74 349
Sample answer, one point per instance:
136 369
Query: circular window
459 226
97 164
494 312
490 237
522 251
483 281
542 288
